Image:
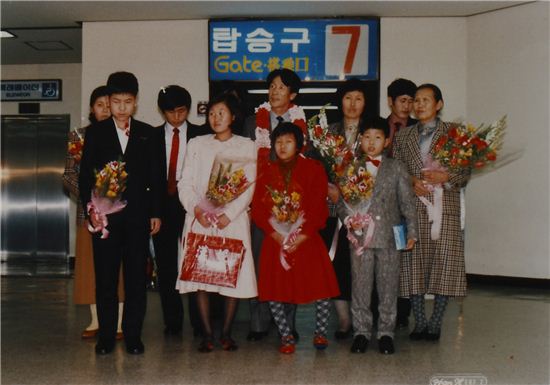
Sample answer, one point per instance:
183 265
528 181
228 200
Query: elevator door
34 221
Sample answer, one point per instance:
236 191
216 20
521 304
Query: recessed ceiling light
6 34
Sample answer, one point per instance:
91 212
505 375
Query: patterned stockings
322 310
434 325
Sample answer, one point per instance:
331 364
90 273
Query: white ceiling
60 21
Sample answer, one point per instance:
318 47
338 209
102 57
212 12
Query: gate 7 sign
323 49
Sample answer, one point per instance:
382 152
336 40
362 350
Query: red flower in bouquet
75 149
465 145
356 183
226 185
335 153
287 219
107 194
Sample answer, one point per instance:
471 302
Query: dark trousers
128 241
167 242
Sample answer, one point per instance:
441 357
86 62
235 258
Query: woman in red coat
289 205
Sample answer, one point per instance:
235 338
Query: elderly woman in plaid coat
433 266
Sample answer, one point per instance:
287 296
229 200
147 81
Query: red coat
311 276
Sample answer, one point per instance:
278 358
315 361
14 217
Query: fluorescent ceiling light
6 34
318 107
302 91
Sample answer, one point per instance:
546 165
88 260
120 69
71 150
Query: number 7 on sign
346 50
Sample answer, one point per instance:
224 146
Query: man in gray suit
283 87
392 198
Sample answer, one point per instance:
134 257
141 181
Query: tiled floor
497 335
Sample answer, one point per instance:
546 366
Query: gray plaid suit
434 267
392 199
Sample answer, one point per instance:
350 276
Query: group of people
169 169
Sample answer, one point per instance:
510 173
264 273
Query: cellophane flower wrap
356 185
107 194
227 182
287 219
335 153
464 146
467 146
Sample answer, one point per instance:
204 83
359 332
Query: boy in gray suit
392 199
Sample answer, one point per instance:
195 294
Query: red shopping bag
212 259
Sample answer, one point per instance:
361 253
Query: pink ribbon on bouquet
211 212
366 222
435 209
101 206
289 231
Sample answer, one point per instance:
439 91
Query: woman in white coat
233 220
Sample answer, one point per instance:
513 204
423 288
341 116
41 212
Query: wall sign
316 49
31 90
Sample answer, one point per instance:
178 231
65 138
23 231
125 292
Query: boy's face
279 94
177 116
401 106
122 105
373 142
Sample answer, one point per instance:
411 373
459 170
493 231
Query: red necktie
127 129
172 184
375 162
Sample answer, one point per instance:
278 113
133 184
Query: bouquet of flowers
287 218
107 194
335 153
465 145
227 182
75 147
356 185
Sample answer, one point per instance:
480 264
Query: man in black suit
174 102
400 101
136 144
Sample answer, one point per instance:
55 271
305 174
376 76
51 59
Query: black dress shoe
103 348
255 336
385 345
432 335
360 343
418 334
172 331
340 335
135 347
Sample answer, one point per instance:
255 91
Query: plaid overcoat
433 267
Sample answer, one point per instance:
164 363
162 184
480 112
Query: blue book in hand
400 235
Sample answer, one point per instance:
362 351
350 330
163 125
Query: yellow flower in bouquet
226 185
334 151
468 146
111 180
286 207
356 184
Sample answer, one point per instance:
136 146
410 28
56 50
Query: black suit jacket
143 162
193 130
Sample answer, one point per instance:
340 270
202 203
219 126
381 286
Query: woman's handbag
212 260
